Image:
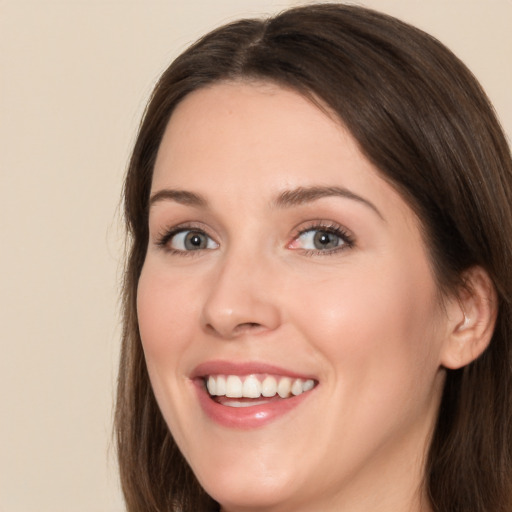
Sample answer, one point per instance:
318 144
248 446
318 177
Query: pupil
324 240
195 240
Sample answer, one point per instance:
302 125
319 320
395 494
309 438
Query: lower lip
246 417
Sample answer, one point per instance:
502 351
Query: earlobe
472 317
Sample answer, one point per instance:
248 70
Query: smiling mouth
255 389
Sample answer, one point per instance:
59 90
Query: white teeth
251 387
284 387
297 387
234 386
236 403
221 385
308 385
269 387
211 384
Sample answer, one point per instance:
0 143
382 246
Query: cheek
165 322
376 332
381 323
160 302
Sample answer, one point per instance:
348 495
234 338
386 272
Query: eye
322 239
319 240
186 240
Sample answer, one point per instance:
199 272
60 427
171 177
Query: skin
364 319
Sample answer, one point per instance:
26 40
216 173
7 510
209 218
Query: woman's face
282 268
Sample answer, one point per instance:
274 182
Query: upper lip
221 367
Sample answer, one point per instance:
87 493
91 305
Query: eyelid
165 235
347 237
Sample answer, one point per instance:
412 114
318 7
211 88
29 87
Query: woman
318 289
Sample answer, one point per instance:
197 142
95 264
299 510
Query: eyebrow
286 199
303 195
179 196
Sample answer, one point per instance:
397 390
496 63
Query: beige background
74 76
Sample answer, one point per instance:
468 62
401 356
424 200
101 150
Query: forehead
251 127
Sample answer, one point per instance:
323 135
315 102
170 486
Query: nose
242 298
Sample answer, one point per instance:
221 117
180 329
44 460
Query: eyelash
168 234
347 239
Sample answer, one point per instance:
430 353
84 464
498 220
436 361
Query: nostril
238 330
248 327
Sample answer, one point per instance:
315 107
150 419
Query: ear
471 320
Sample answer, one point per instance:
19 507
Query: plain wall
74 77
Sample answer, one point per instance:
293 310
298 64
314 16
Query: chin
252 488
248 494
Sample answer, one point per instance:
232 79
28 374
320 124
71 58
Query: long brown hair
422 119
